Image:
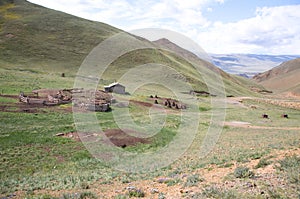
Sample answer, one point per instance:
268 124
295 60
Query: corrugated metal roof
113 84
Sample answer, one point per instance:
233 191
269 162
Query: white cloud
220 1
274 30
125 12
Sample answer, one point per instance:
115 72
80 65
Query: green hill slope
38 44
35 36
234 85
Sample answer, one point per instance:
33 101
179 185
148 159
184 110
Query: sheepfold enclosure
85 99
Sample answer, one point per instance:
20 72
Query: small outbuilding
115 88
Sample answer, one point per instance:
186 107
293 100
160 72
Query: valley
175 131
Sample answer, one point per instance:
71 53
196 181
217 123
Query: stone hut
115 88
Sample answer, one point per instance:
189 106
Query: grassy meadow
37 164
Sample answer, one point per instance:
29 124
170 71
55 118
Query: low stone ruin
93 100
85 99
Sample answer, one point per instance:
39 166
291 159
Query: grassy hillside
36 37
283 78
41 43
234 85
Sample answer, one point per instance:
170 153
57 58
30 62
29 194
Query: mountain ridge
227 78
167 44
249 64
42 39
283 78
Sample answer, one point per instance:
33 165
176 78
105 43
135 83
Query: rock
162 180
154 191
131 188
59 134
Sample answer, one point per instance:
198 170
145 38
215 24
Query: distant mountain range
248 65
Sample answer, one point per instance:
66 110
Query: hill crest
46 40
283 78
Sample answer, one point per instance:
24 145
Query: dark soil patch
31 108
10 96
146 104
116 136
121 139
155 101
20 107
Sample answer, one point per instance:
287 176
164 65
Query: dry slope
283 78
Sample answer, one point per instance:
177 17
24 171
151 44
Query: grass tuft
263 162
290 166
193 180
139 193
218 193
243 172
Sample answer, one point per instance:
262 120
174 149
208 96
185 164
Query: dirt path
248 125
283 102
238 101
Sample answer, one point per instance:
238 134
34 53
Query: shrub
136 193
262 163
257 155
215 192
87 195
172 182
83 195
226 165
243 172
289 162
174 173
276 194
84 185
121 196
161 196
193 180
290 165
125 179
202 108
41 197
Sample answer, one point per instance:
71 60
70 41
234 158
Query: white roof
112 84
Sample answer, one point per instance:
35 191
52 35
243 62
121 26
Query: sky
218 26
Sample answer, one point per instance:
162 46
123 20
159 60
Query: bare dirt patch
237 123
291 95
19 107
285 100
122 139
31 108
282 100
241 124
117 136
146 104
238 101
